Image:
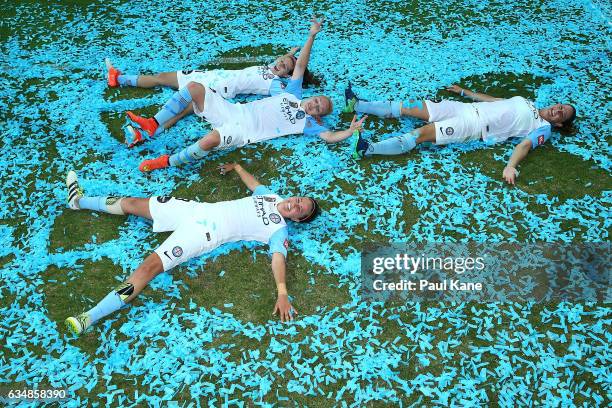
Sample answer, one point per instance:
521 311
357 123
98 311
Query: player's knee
210 141
129 205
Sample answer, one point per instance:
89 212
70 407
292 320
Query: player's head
559 115
299 209
318 106
283 66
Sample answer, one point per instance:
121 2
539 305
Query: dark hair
309 78
316 210
567 122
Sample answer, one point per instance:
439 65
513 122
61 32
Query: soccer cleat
149 125
360 146
153 164
350 100
74 191
79 324
112 74
133 136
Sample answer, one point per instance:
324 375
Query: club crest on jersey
275 218
177 251
540 140
300 115
163 199
450 131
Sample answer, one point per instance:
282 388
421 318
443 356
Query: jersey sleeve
294 87
539 136
312 128
261 190
279 242
277 87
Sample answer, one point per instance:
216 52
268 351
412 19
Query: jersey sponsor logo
286 243
260 210
300 115
288 109
533 109
266 72
541 140
177 251
450 131
163 199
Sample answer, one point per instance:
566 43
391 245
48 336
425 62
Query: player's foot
149 125
350 99
360 145
74 191
133 136
79 324
112 74
153 164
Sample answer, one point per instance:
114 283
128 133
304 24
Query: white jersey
253 218
274 116
255 80
514 117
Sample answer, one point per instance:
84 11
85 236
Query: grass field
204 334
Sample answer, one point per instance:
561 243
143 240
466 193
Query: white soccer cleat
79 324
74 191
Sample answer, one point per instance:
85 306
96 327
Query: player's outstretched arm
283 306
335 137
302 61
247 178
475 96
520 152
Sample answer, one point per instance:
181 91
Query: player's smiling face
295 208
283 67
317 106
557 114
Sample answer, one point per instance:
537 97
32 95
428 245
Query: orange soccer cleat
112 74
149 125
153 164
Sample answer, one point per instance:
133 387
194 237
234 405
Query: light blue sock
107 204
111 303
127 80
386 109
93 203
175 105
393 145
188 155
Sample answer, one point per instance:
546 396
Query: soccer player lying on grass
256 80
235 125
198 228
490 119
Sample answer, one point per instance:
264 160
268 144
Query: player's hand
455 89
357 124
315 27
226 168
285 310
294 50
510 174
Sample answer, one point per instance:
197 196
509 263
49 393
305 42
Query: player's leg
393 145
387 109
183 244
107 204
168 79
119 297
196 151
175 106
